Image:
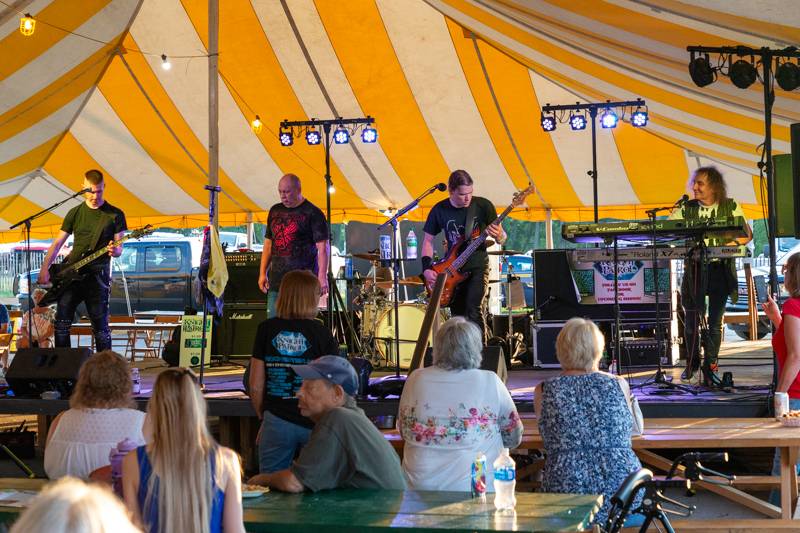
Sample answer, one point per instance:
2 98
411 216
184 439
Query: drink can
386 247
479 476
348 268
781 404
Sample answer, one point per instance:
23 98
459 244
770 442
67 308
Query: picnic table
381 510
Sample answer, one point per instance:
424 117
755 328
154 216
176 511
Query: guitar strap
470 222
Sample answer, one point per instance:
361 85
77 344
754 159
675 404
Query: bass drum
410 316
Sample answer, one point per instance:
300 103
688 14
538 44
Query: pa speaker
556 297
236 332
242 287
786 203
36 370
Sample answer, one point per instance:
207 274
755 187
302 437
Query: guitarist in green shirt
95 224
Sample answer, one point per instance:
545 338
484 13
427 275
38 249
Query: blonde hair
70 505
104 382
298 295
182 451
579 345
791 277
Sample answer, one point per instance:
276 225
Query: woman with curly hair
102 413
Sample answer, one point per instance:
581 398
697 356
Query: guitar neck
479 240
88 259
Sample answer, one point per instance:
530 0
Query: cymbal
367 256
504 252
405 281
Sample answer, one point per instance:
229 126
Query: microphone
683 199
83 191
441 186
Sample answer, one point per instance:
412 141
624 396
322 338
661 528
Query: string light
165 64
256 125
331 188
27 25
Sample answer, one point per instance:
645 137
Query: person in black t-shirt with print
450 216
296 238
93 223
293 337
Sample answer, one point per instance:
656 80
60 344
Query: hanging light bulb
27 25
331 188
256 125
165 64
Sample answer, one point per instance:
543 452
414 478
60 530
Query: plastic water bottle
478 476
411 245
136 381
115 459
505 481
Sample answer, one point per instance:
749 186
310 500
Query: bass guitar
62 275
458 254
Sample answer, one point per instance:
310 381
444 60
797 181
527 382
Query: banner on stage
635 280
192 340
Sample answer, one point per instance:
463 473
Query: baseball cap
333 368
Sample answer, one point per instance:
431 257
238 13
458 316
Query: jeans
93 289
717 291
774 494
272 300
469 299
280 442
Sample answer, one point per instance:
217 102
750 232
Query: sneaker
687 373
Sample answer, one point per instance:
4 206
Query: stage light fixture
639 118
341 136
608 119
165 64
285 137
313 137
548 122
742 74
577 122
27 25
701 71
256 125
369 135
331 188
788 76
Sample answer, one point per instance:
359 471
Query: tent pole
213 100
548 228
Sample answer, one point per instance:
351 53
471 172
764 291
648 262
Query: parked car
522 267
152 273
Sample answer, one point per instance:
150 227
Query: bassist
93 223
450 216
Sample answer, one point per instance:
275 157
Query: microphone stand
394 222
27 223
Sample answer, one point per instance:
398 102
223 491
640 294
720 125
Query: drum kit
376 302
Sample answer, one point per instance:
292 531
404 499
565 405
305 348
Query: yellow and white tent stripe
451 84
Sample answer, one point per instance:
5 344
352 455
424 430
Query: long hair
791 275
457 179
181 453
104 382
298 295
714 179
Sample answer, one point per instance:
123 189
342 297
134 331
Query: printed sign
192 339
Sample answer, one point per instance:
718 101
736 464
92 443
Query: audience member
4 319
585 419
101 414
42 331
182 480
71 506
452 411
345 449
294 336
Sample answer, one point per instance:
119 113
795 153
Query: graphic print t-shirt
451 220
281 343
294 232
93 228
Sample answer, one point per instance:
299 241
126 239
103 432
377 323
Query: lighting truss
338 130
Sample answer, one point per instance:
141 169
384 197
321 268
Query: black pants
469 299
693 299
94 289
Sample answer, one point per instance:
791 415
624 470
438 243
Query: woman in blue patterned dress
585 419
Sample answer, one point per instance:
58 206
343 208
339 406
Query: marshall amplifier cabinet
242 287
237 330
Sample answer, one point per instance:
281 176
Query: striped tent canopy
451 84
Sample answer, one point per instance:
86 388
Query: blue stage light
608 119
548 122
313 137
639 118
286 138
369 135
577 122
341 136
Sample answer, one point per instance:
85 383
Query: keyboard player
710 201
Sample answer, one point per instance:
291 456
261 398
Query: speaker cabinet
242 287
36 370
237 330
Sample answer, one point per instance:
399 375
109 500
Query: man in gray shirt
345 449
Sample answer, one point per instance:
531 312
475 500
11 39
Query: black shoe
711 379
687 373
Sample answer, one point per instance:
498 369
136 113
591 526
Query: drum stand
514 341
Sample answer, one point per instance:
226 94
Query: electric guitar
62 275
459 252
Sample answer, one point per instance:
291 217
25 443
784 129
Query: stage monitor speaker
242 287
36 370
492 358
786 202
236 332
555 291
